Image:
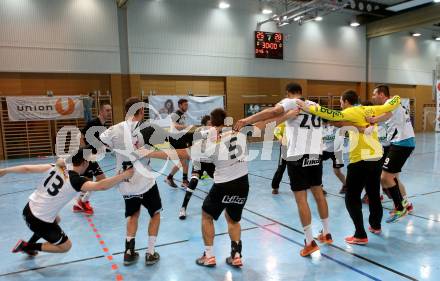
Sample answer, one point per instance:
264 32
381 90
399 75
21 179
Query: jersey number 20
55 188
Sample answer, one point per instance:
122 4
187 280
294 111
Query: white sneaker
182 213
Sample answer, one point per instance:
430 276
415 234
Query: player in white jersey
304 165
227 151
199 167
59 186
141 189
333 144
402 141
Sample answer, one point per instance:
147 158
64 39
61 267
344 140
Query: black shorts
396 158
230 195
385 153
150 200
336 157
93 170
200 167
305 172
181 141
51 232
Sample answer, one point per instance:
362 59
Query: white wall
59 36
194 37
402 59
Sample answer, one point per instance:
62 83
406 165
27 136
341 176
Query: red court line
114 267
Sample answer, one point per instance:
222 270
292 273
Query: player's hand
293 113
301 104
240 124
128 173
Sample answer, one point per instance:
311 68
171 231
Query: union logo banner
44 108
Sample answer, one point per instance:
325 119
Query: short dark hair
205 120
182 101
102 104
130 102
350 96
78 157
384 89
294 88
218 116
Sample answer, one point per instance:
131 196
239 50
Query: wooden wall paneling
200 88
10 84
217 87
182 87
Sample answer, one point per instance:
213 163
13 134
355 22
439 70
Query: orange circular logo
70 106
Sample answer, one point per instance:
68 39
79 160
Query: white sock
209 251
308 233
85 196
325 228
129 238
151 243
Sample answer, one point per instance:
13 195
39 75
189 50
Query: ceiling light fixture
437 38
354 24
318 18
416 34
224 5
267 11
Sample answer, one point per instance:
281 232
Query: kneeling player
56 190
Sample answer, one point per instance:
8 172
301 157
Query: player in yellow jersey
280 135
365 154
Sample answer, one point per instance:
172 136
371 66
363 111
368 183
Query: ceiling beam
428 15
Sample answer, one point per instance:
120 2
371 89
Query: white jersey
204 134
55 191
304 133
399 125
331 139
382 134
124 138
228 155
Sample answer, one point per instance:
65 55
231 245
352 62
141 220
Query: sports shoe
78 207
275 191
204 177
151 259
343 189
374 231
397 215
204 261
88 210
185 183
182 213
356 241
130 257
21 247
170 182
410 207
325 239
235 261
309 249
83 207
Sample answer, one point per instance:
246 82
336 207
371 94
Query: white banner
437 118
161 107
44 108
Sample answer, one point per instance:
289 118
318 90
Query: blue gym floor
272 234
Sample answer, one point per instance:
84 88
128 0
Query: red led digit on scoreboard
260 35
278 37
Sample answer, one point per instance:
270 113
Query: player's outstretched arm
264 115
173 154
381 118
390 105
324 112
108 182
26 169
278 120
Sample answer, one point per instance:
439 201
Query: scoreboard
269 45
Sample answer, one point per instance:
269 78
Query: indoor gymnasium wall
75 36
403 59
207 41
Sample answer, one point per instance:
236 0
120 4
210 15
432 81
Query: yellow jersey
362 146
